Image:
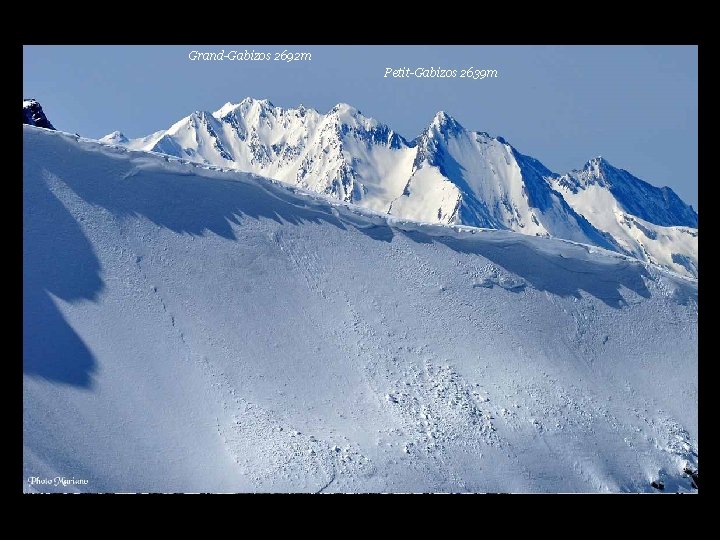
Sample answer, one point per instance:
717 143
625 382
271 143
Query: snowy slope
447 174
191 329
650 223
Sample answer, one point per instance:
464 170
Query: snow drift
193 329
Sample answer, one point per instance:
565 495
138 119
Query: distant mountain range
447 174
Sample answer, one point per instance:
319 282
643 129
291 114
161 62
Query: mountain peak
266 103
247 102
33 114
116 137
225 109
345 108
596 166
346 115
656 205
445 123
200 116
263 103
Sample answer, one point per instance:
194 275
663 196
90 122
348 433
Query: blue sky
636 106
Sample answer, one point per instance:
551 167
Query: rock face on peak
448 174
34 115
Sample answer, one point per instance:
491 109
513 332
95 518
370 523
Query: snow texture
194 329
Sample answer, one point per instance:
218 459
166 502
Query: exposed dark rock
694 477
33 115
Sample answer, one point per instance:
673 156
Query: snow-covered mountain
192 329
494 186
33 114
115 137
651 223
446 175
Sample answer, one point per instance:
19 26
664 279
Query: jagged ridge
448 174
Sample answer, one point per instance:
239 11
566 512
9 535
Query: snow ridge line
348 213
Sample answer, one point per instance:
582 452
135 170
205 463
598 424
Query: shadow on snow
59 259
